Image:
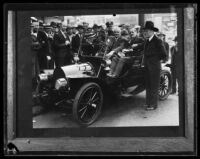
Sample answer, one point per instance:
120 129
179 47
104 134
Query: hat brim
154 29
80 27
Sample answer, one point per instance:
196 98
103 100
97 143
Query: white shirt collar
151 37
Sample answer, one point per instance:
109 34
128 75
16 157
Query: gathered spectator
136 42
76 40
152 63
34 50
175 67
62 48
162 37
109 27
121 43
44 50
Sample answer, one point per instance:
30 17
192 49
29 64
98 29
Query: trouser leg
147 86
173 79
114 64
119 66
154 87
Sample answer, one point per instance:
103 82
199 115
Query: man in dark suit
44 48
175 66
162 37
62 55
76 40
154 52
109 28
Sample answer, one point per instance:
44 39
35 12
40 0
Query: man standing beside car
62 48
154 52
77 39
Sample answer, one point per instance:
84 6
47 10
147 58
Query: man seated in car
117 52
112 41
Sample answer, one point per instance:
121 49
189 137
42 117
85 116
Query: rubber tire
170 84
80 93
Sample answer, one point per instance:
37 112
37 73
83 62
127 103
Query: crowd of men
55 46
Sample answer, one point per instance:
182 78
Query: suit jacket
44 47
154 51
137 40
167 49
75 43
61 50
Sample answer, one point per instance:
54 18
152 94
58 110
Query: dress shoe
125 94
151 107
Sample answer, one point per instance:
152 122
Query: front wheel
165 85
87 104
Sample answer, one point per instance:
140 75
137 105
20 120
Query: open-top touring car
86 84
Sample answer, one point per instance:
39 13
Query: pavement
126 112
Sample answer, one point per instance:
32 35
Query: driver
118 52
136 44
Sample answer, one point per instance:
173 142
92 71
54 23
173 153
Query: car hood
82 70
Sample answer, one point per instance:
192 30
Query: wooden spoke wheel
87 104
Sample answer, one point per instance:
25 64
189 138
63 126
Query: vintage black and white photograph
100 78
105 70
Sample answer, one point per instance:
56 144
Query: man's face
133 33
147 33
80 30
56 29
110 27
127 37
69 31
117 33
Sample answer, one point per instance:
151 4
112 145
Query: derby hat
95 26
124 32
109 23
53 24
46 26
121 25
149 25
80 27
161 34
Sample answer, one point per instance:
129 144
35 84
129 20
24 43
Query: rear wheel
87 104
165 85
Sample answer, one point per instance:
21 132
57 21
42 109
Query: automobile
86 84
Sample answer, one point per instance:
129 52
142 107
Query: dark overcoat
43 50
62 51
154 52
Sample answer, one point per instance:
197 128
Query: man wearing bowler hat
162 37
62 48
76 40
44 49
154 52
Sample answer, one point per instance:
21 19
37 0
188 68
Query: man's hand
109 54
134 45
48 58
67 42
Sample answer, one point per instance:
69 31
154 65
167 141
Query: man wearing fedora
162 37
154 52
109 28
44 49
77 39
62 48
